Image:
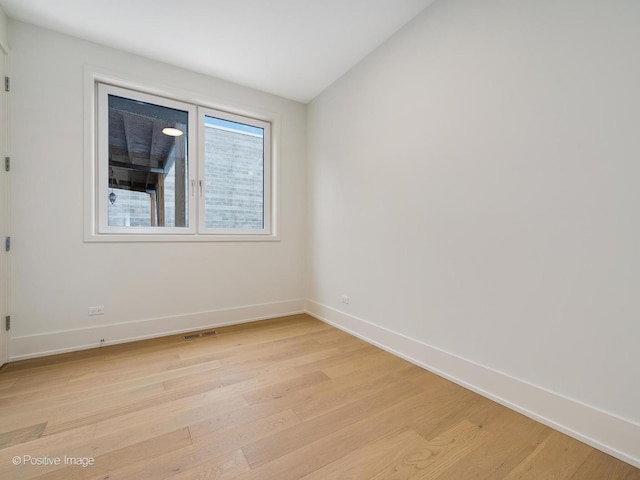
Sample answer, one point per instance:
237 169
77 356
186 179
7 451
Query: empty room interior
314 239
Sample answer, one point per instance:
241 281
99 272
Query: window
144 163
168 167
235 178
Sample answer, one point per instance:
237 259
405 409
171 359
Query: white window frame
266 165
104 90
95 188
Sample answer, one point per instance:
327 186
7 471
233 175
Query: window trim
91 234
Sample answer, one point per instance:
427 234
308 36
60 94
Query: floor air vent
191 336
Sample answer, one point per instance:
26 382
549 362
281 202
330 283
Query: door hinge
7 244
7 84
7 164
7 323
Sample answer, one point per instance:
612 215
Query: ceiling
291 48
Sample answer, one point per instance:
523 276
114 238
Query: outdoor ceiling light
172 132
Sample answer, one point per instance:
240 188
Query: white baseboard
606 432
30 346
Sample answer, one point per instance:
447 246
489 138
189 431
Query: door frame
5 201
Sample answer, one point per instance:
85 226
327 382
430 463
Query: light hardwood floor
290 398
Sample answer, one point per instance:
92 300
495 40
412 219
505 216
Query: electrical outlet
345 298
99 310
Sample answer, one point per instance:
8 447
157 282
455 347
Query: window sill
151 238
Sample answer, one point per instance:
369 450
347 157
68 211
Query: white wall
3 29
474 188
160 287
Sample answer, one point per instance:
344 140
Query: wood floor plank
67 442
264 451
6 381
44 444
221 419
241 433
339 356
253 337
89 413
75 391
277 355
190 465
600 466
224 467
346 390
376 359
48 407
437 455
371 459
310 456
558 456
281 399
172 415
21 435
501 454
214 446
281 389
448 405
103 463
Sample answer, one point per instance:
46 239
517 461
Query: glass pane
129 209
234 175
148 166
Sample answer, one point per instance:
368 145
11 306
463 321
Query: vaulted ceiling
291 48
